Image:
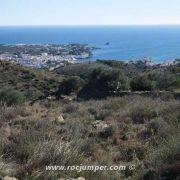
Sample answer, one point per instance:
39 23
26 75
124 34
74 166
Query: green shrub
142 83
103 83
167 82
11 97
158 126
109 81
69 86
32 94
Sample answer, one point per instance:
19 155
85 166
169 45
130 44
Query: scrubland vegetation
75 119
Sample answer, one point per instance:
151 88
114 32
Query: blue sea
160 43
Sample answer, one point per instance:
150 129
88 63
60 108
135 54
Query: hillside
129 69
108 131
34 83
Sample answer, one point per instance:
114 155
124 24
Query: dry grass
132 127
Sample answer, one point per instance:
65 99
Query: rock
67 98
80 178
104 130
99 124
9 178
60 120
49 98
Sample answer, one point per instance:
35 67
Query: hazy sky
89 12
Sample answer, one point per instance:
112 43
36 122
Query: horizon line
31 25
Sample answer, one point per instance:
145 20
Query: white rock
100 124
9 178
60 120
80 178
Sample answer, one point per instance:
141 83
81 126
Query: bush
127 154
69 86
142 83
167 82
103 83
165 159
11 97
21 145
167 152
158 126
109 81
140 115
103 114
153 127
106 132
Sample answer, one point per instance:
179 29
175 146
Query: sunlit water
160 43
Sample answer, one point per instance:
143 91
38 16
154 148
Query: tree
69 86
108 80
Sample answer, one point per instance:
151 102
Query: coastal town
53 56
44 56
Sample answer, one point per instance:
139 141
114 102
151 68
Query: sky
89 12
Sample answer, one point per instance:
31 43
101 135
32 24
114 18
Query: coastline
161 43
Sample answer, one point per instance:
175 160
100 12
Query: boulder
80 178
9 178
60 120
